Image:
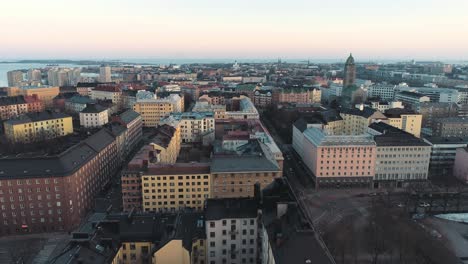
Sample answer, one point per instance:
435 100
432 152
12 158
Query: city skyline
429 30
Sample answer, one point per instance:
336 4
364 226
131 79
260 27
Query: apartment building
401 157
14 78
356 120
109 91
337 160
195 127
384 106
153 110
94 115
53 193
156 238
172 187
411 99
32 127
203 106
450 127
405 119
11 107
383 91
45 94
300 95
77 103
134 124
232 230
433 110
165 144
235 175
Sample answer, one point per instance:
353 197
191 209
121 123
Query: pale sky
295 29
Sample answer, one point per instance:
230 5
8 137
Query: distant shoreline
77 62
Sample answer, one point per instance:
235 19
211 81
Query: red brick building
52 193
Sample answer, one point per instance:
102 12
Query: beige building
44 93
195 127
356 120
401 157
204 106
108 92
177 186
165 144
14 78
405 120
38 126
160 239
235 176
153 110
336 160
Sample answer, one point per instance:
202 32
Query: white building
94 116
246 110
105 74
231 230
386 92
63 76
384 106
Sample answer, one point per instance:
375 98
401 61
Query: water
455 217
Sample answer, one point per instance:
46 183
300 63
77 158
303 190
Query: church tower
349 72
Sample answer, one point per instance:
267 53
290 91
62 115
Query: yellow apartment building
44 93
170 187
162 239
405 120
165 145
38 126
153 110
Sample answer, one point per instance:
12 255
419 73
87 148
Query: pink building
460 169
337 160
299 95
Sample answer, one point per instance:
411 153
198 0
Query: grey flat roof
242 164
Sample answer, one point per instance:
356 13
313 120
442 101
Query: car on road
372 194
401 205
424 204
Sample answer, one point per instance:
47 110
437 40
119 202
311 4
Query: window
212 234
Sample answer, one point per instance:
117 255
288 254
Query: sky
238 29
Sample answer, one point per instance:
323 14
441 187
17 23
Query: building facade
450 127
405 120
175 187
53 193
94 115
153 110
401 158
195 127
33 127
337 160
232 232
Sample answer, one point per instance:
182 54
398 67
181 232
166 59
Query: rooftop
320 138
93 108
398 112
36 117
242 163
392 136
227 208
62 164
